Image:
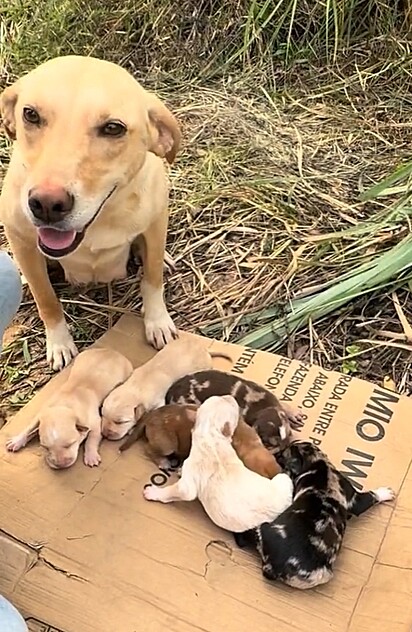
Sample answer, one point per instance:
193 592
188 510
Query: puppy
300 546
232 495
72 416
259 407
85 183
168 432
147 386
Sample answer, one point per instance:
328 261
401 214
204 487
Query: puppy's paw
294 415
160 330
16 443
60 346
163 464
151 492
384 494
92 458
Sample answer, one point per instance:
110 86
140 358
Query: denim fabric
10 619
10 292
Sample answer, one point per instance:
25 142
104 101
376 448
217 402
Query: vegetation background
291 193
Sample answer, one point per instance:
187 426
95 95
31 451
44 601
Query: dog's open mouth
57 243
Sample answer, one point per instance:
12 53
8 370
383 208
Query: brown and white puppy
72 416
300 546
232 495
168 432
260 408
147 386
86 181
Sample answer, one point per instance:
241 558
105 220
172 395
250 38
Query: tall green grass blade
367 278
404 171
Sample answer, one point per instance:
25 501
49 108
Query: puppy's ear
8 100
226 431
81 428
164 130
139 412
293 461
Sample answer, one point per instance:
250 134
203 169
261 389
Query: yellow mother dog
87 181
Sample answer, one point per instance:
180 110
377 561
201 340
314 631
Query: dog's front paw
160 330
16 443
92 458
151 492
60 346
294 415
384 494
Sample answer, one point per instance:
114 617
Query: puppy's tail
136 434
225 356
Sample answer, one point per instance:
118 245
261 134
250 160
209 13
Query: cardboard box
81 551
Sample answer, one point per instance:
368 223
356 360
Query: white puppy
234 497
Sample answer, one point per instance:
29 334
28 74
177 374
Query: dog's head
120 413
218 413
273 427
60 434
298 457
83 127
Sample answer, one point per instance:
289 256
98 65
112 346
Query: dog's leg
159 327
362 501
169 264
60 346
91 447
184 489
20 441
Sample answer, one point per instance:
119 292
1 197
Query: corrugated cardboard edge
382 601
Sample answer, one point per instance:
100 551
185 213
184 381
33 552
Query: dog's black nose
50 204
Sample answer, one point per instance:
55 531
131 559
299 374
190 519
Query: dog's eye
113 128
31 116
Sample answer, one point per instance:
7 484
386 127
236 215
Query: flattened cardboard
82 551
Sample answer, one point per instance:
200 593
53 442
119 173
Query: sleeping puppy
72 416
168 431
300 547
259 407
234 497
147 386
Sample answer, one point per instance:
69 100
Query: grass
291 113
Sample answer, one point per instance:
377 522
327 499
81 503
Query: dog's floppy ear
81 428
164 130
226 431
139 412
8 100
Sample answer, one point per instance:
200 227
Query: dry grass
271 163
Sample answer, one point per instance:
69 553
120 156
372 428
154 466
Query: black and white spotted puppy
300 547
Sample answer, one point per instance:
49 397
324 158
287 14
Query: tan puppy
72 416
86 181
234 497
147 386
168 432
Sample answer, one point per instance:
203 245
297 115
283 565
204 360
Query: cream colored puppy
72 416
85 183
234 497
146 388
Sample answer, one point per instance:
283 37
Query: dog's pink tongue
56 239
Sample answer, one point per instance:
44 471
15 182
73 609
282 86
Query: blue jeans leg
10 619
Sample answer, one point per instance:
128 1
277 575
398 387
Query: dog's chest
104 264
